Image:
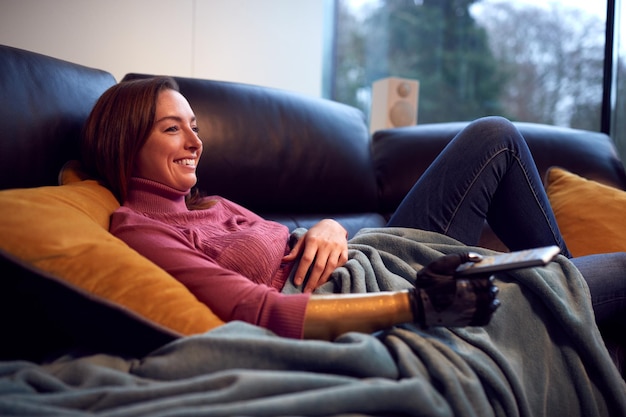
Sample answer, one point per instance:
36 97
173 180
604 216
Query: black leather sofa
289 157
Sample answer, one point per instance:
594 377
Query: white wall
276 43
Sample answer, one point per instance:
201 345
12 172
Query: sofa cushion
62 232
589 214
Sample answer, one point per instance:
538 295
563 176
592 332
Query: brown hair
117 128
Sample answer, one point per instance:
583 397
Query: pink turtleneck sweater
227 256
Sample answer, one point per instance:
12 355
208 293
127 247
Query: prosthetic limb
438 299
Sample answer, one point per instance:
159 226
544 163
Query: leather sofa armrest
44 103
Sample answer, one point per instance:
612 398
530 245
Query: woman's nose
193 141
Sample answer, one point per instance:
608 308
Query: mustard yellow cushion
63 231
591 216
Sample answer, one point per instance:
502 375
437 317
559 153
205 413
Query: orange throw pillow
591 216
63 231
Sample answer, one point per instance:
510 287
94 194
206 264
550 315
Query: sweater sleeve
229 295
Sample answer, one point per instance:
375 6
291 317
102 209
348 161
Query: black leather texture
43 105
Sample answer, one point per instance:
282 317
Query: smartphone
508 261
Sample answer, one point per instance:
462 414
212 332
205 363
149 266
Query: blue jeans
487 173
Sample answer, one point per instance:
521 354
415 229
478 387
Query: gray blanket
541 355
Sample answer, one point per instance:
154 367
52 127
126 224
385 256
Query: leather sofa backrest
44 102
275 151
289 157
402 155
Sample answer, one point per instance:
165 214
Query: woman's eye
172 129
195 129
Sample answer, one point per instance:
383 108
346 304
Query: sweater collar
149 196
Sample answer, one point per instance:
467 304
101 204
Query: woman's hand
324 247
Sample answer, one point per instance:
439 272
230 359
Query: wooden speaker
394 103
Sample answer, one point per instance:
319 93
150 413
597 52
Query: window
618 86
532 61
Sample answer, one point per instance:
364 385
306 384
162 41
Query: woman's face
172 151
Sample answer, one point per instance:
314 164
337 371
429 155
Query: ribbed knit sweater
227 256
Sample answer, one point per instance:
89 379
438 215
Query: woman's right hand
442 299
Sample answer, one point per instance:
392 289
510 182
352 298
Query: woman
142 140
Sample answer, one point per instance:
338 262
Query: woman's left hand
324 247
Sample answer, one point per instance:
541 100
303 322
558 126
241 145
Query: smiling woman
141 140
171 152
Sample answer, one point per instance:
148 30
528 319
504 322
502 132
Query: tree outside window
528 62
